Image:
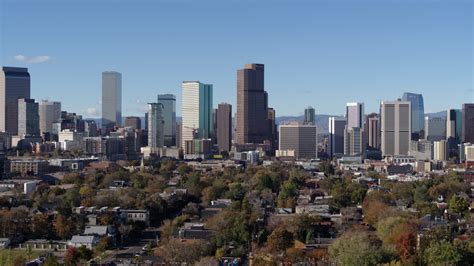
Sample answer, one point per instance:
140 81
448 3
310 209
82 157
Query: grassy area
8 256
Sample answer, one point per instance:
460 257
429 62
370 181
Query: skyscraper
309 116
49 113
302 139
467 123
196 111
355 114
354 131
440 150
28 117
435 128
133 121
111 99
336 135
417 114
372 131
395 127
353 141
252 105
14 85
155 125
454 124
224 126
169 117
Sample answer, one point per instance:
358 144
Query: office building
337 126
372 131
435 128
196 111
355 115
49 113
178 135
111 99
133 121
309 116
395 127
421 150
155 125
417 114
14 85
169 117
467 132
353 141
252 106
302 139
224 126
454 124
28 118
440 150
273 130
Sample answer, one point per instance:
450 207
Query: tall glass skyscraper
417 114
111 99
309 116
155 125
196 111
169 117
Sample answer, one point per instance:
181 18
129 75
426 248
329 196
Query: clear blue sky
319 53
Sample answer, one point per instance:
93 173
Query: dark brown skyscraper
224 126
468 122
252 105
133 122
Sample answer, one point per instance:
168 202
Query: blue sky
319 53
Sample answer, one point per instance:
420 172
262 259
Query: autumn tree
64 228
356 248
280 239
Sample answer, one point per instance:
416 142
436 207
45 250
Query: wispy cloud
91 112
32 59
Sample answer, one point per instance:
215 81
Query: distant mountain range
322 120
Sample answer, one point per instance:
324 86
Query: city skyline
394 60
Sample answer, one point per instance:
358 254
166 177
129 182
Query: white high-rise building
155 125
111 99
355 115
395 127
440 150
49 113
353 142
196 111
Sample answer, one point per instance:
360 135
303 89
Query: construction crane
195 131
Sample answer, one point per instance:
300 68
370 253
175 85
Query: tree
280 239
176 252
356 248
41 226
72 256
405 245
441 253
63 227
458 205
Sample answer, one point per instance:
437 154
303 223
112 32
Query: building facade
337 126
395 127
169 117
224 126
133 121
196 111
28 117
417 114
309 116
467 134
372 131
111 99
355 114
155 125
14 85
49 113
435 128
252 106
353 142
302 139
